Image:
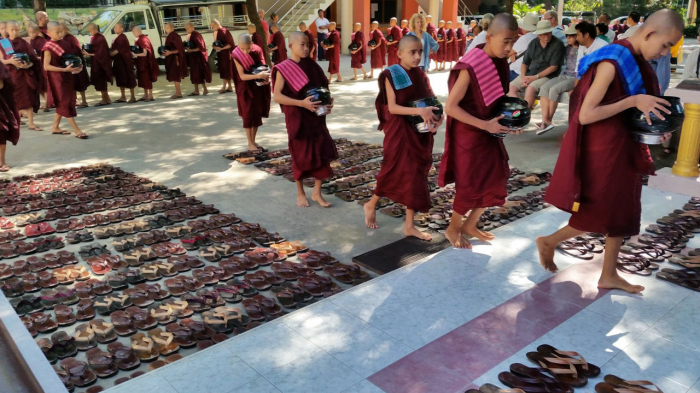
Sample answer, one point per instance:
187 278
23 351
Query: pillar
434 10
360 14
346 16
408 8
689 147
449 10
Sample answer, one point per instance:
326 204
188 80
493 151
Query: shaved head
136 30
215 24
501 22
664 21
92 28
13 23
54 30
297 37
245 39
394 19
408 40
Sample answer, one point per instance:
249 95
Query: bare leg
410 230
150 94
43 97
196 89
545 111
133 97
254 133
546 245
251 139
552 110
76 129
105 97
83 101
609 279
123 96
530 96
469 226
364 74
145 95
178 93
371 212
354 74
301 195
30 120
3 164
204 89
55 126
513 91
453 233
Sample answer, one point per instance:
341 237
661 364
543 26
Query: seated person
692 63
602 31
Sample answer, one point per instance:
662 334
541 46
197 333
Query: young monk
450 44
392 48
123 64
279 50
480 174
3 30
461 41
442 41
333 53
407 153
358 57
223 54
82 79
310 143
9 116
430 29
147 69
253 101
200 73
101 65
24 76
597 174
60 81
37 42
377 55
404 28
257 40
175 60
313 45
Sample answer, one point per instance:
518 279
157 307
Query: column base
666 180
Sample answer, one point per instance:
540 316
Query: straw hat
544 27
529 22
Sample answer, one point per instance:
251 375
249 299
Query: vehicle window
102 20
151 24
132 19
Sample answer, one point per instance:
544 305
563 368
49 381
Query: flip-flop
192 94
575 251
103 103
584 368
35 128
637 386
563 369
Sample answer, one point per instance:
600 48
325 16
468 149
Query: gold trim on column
689 147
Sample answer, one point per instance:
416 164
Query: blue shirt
559 33
428 44
662 66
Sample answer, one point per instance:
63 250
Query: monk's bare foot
475 233
412 231
252 147
456 238
58 131
205 92
34 127
546 251
318 198
370 216
302 201
339 80
618 282
487 235
354 78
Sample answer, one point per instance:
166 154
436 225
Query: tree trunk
252 10
509 6
39 5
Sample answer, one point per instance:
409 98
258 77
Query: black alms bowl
189 45
353 47
390 38
136 49
515 113
87 48
218 44
372 43
161 50
417 121
319 94
672 121
69 59
327 42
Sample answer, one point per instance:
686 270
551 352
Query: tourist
9 116
528 25
147 69
101 64
418 24
377 58
404 28
223 54
632 25
279 48
588 40
553 19
471 123
691 69
322 32
602 32
265 26
597 175
82 79
480 38
252 90
358 57
274 19
37 41
392 48
123 64
332 53
23 75
313 46
542 61
407 154
605 19
175 60
200 73
310 144
441 39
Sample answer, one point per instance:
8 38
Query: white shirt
629 32
611 35
691 65
519 47
478 40
322 22
583 51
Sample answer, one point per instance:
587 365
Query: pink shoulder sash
486 75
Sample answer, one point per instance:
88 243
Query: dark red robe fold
62 84
461 45
199 60
392 50
224 56
280 54
38 44
257 40
175 64
407 153
377 54
600 164
9 114
253 101
25 81
430 29
310 143
82 79
313 44
405 31
441 50
333 54
45 31
123 63
359 58
451 47
474 160
100 63
147 69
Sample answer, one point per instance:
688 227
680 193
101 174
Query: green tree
584 5
522 8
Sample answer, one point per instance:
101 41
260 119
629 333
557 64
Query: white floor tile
324 322
681 324
260 385
364 386
628 369
520 270
415 326
369 301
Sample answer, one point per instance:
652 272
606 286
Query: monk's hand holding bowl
16 62
88 54
651 104
666 137
329 107
515 131
309 104
427 114
494 127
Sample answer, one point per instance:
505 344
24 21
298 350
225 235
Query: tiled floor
458 319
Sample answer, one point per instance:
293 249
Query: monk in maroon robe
37 42
253 101
61 81
101 63
23 75
430 29
3 30
313 45
310 143
42 21
404 28
597 177
461 41
441 39
392 48
358 57
450 44
175 60
333 52
279 49
9 116
147 69
475 160
377 59
200 73
257 39
123 64
223 54
82 79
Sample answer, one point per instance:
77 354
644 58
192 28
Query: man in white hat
543 60
553 19
481 38
528 24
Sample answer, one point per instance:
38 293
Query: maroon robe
451 48
147 69
359 58
82 79
224 56
461 45
405 31
407 153
253 101
441 50
313 44
280 54
199 60
123 63
310 143
257 40
175 64
600 164
430 29
474 160
9 115
377 54
101 63
393 50
24 81
45 31
61 84
333 54
38 44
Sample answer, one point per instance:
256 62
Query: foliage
584 5
522 8
690 31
